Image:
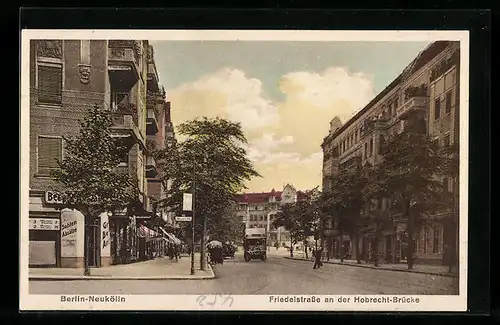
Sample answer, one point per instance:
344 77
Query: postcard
247 170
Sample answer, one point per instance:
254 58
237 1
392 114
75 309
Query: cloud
284 137
227 93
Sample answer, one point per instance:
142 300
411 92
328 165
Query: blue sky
284 93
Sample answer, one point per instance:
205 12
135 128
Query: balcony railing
374 124
124 62
413 103
152 122
125 124
153 78
150 167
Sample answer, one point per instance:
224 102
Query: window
447 109
435 242
381 144
396 104
49 149
437 108
371 147
446 140
49 84
366 149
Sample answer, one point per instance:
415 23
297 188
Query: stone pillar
105 240
72 239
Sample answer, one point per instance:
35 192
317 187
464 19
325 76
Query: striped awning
145 232
171 237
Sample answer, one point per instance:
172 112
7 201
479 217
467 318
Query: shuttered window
49 84
49 149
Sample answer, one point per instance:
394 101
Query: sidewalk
160 268
437 270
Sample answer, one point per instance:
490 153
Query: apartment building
258 210
67 77
424 96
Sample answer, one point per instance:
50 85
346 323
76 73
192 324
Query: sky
283 93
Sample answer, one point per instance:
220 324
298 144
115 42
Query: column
105 240
72 239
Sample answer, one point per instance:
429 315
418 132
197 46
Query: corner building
67 77
425 95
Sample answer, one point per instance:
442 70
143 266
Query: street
275 276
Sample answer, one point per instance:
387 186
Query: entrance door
94 243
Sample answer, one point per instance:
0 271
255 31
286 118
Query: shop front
44 230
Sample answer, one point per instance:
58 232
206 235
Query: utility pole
203 259
192 221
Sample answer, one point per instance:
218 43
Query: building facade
66 78
258 210
424 95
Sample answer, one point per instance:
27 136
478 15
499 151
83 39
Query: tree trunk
341 248
411 235
305 248
291 245
356 248
86 240
375 249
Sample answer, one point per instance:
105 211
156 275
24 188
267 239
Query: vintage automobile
254 244
228 250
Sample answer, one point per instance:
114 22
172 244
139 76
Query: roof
422 58
263 197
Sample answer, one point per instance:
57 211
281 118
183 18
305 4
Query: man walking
317 258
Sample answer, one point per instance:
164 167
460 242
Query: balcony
153 79
125 127
123 168
373 125
151 122
151 167
123 63
413 105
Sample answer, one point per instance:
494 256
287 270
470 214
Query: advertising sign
183 218
187 202
43 224
53 198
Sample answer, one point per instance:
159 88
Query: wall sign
43 224
53 198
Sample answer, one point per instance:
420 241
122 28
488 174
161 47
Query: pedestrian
317 259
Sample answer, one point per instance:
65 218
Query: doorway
95 243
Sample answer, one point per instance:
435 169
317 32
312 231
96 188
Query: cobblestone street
275 276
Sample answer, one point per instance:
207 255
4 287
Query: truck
255 244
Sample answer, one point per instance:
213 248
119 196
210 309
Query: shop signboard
43 224
52 197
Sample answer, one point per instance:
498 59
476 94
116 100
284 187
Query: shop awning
171 237
145 232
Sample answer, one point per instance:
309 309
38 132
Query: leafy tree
345 202
287 217
410 176
87 175
212 159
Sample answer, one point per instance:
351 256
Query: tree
345 202
212 159
87 174
410 176
287 217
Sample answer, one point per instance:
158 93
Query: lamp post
192 220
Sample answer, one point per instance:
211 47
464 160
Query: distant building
424 96
258 210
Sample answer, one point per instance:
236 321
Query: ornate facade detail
49 48
118 52
419 91
445 65
84 73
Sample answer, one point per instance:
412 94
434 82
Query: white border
244 302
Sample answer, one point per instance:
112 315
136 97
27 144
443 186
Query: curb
378 268
110 277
